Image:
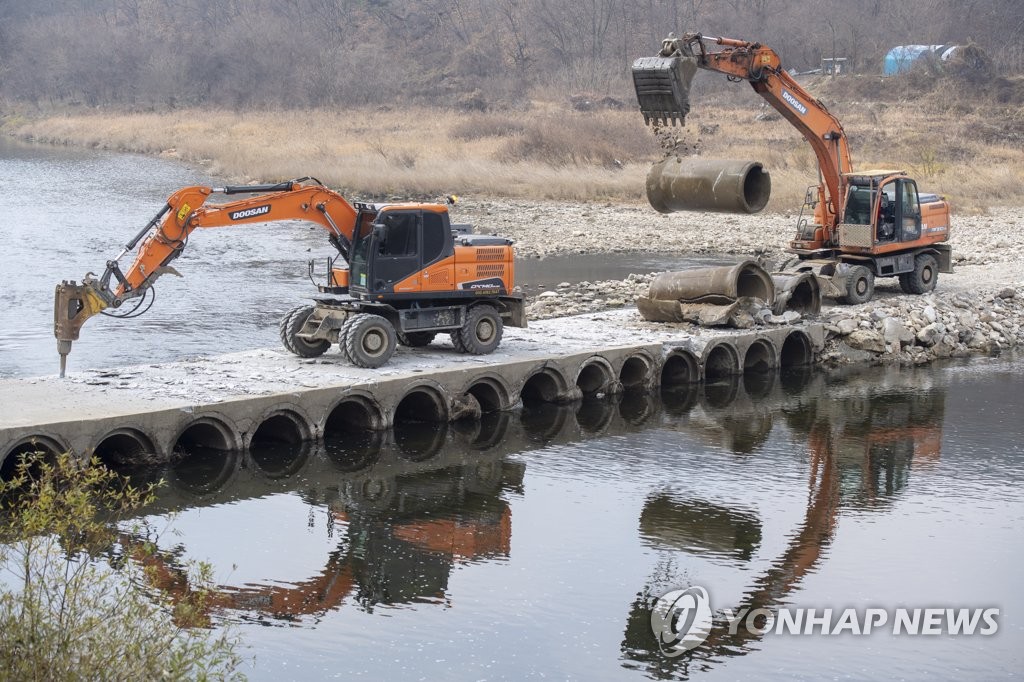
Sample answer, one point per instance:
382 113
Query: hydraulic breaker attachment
663 86
73 304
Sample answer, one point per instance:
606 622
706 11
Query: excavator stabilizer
663 88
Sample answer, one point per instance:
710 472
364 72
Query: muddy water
530 544
64 212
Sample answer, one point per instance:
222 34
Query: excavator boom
663 86
166 235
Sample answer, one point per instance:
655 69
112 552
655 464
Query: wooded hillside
471 54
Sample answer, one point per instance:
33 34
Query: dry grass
551 152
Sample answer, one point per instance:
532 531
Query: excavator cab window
909 210
858 205
361 243
396 236
435 234
887 213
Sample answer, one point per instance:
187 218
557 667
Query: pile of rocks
919 329
585 297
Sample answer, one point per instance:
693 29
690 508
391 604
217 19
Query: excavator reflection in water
403 518
401 525
861 454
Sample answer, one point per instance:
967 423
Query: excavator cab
887 203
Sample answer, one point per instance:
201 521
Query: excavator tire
481 332
457 341
860 285
924 276
416 339
343 336
291 325
370 340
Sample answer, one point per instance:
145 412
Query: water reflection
863 445
404 508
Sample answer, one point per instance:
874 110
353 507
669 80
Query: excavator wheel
416 339
291 325
343 336
481 332
370 340
860 285
457 341
923 278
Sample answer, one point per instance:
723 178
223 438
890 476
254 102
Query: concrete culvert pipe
759 358
543 387
283 428
797 350
352 415
680 369
721 361
593 378
48 448
421 405
206 434
125 448
800 293
710 185
721 285
490 394
635 373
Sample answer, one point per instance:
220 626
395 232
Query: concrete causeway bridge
233 402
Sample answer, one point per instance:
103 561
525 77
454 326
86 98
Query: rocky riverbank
912 330
893 328
977 309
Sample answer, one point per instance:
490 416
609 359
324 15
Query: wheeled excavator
402 273
863 224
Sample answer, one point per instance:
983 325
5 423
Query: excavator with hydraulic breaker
402 274
855 226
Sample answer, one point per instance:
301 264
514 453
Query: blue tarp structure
900 58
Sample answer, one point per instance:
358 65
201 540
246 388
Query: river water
532 544
64 212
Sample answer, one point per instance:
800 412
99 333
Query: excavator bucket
73 304
663 88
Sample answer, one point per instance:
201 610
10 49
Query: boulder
866 340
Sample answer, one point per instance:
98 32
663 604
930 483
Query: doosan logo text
794 102
250 212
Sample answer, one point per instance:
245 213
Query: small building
834 66
902 57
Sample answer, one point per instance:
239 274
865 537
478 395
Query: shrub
73 605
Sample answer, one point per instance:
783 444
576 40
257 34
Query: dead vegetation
957 146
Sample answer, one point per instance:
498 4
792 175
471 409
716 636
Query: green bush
75 603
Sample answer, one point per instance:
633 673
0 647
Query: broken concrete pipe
715 185
719 285
707 296
801 293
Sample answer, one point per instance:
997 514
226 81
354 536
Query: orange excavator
402 274
865 224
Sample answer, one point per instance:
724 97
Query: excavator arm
165 236
662 86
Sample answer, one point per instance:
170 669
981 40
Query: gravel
977 309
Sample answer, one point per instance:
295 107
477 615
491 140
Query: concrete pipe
801 293
714 185
719 286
